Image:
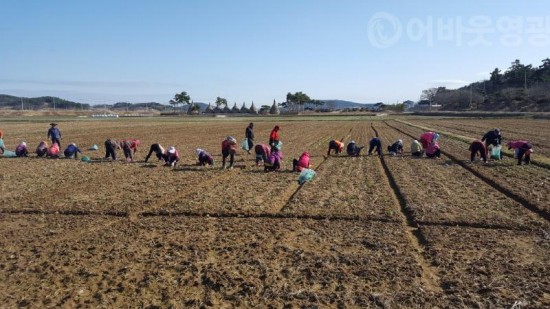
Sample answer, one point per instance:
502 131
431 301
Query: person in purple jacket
21 150
203 157
273 162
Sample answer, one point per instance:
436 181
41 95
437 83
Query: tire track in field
429 275
289 199
524 202
195 214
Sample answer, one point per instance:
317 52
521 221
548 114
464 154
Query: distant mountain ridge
43 102
341 104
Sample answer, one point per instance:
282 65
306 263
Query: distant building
378 107
408 105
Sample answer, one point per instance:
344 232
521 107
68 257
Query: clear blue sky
108 51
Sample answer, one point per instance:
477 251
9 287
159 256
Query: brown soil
116 234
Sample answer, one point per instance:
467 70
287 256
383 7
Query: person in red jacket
477 146
172 156
229 148
274 136
129 146
301 163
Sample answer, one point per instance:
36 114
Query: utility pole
54 104
21 103
470 96
525 78
525 82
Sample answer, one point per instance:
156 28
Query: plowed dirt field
366 232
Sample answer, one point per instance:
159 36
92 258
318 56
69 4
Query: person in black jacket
396 148
353 150
376 145
249 135
493 138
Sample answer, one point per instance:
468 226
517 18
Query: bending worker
492 137
353 150
111 145
427 138
203 157
228 150
21 150
158 150
523 150
301 163
477 146
172 156
262 153
396 148
335 145
416 149
72 151
375 144
42 149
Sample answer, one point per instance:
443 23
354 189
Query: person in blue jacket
72 151
54 134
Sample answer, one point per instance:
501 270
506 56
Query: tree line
294 101
519 88
13 102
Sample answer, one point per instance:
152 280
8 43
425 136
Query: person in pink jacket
53 151
433 151
427 138
262 152
523 150
301 163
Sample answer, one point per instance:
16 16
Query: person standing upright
274 137
249 135
55 134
